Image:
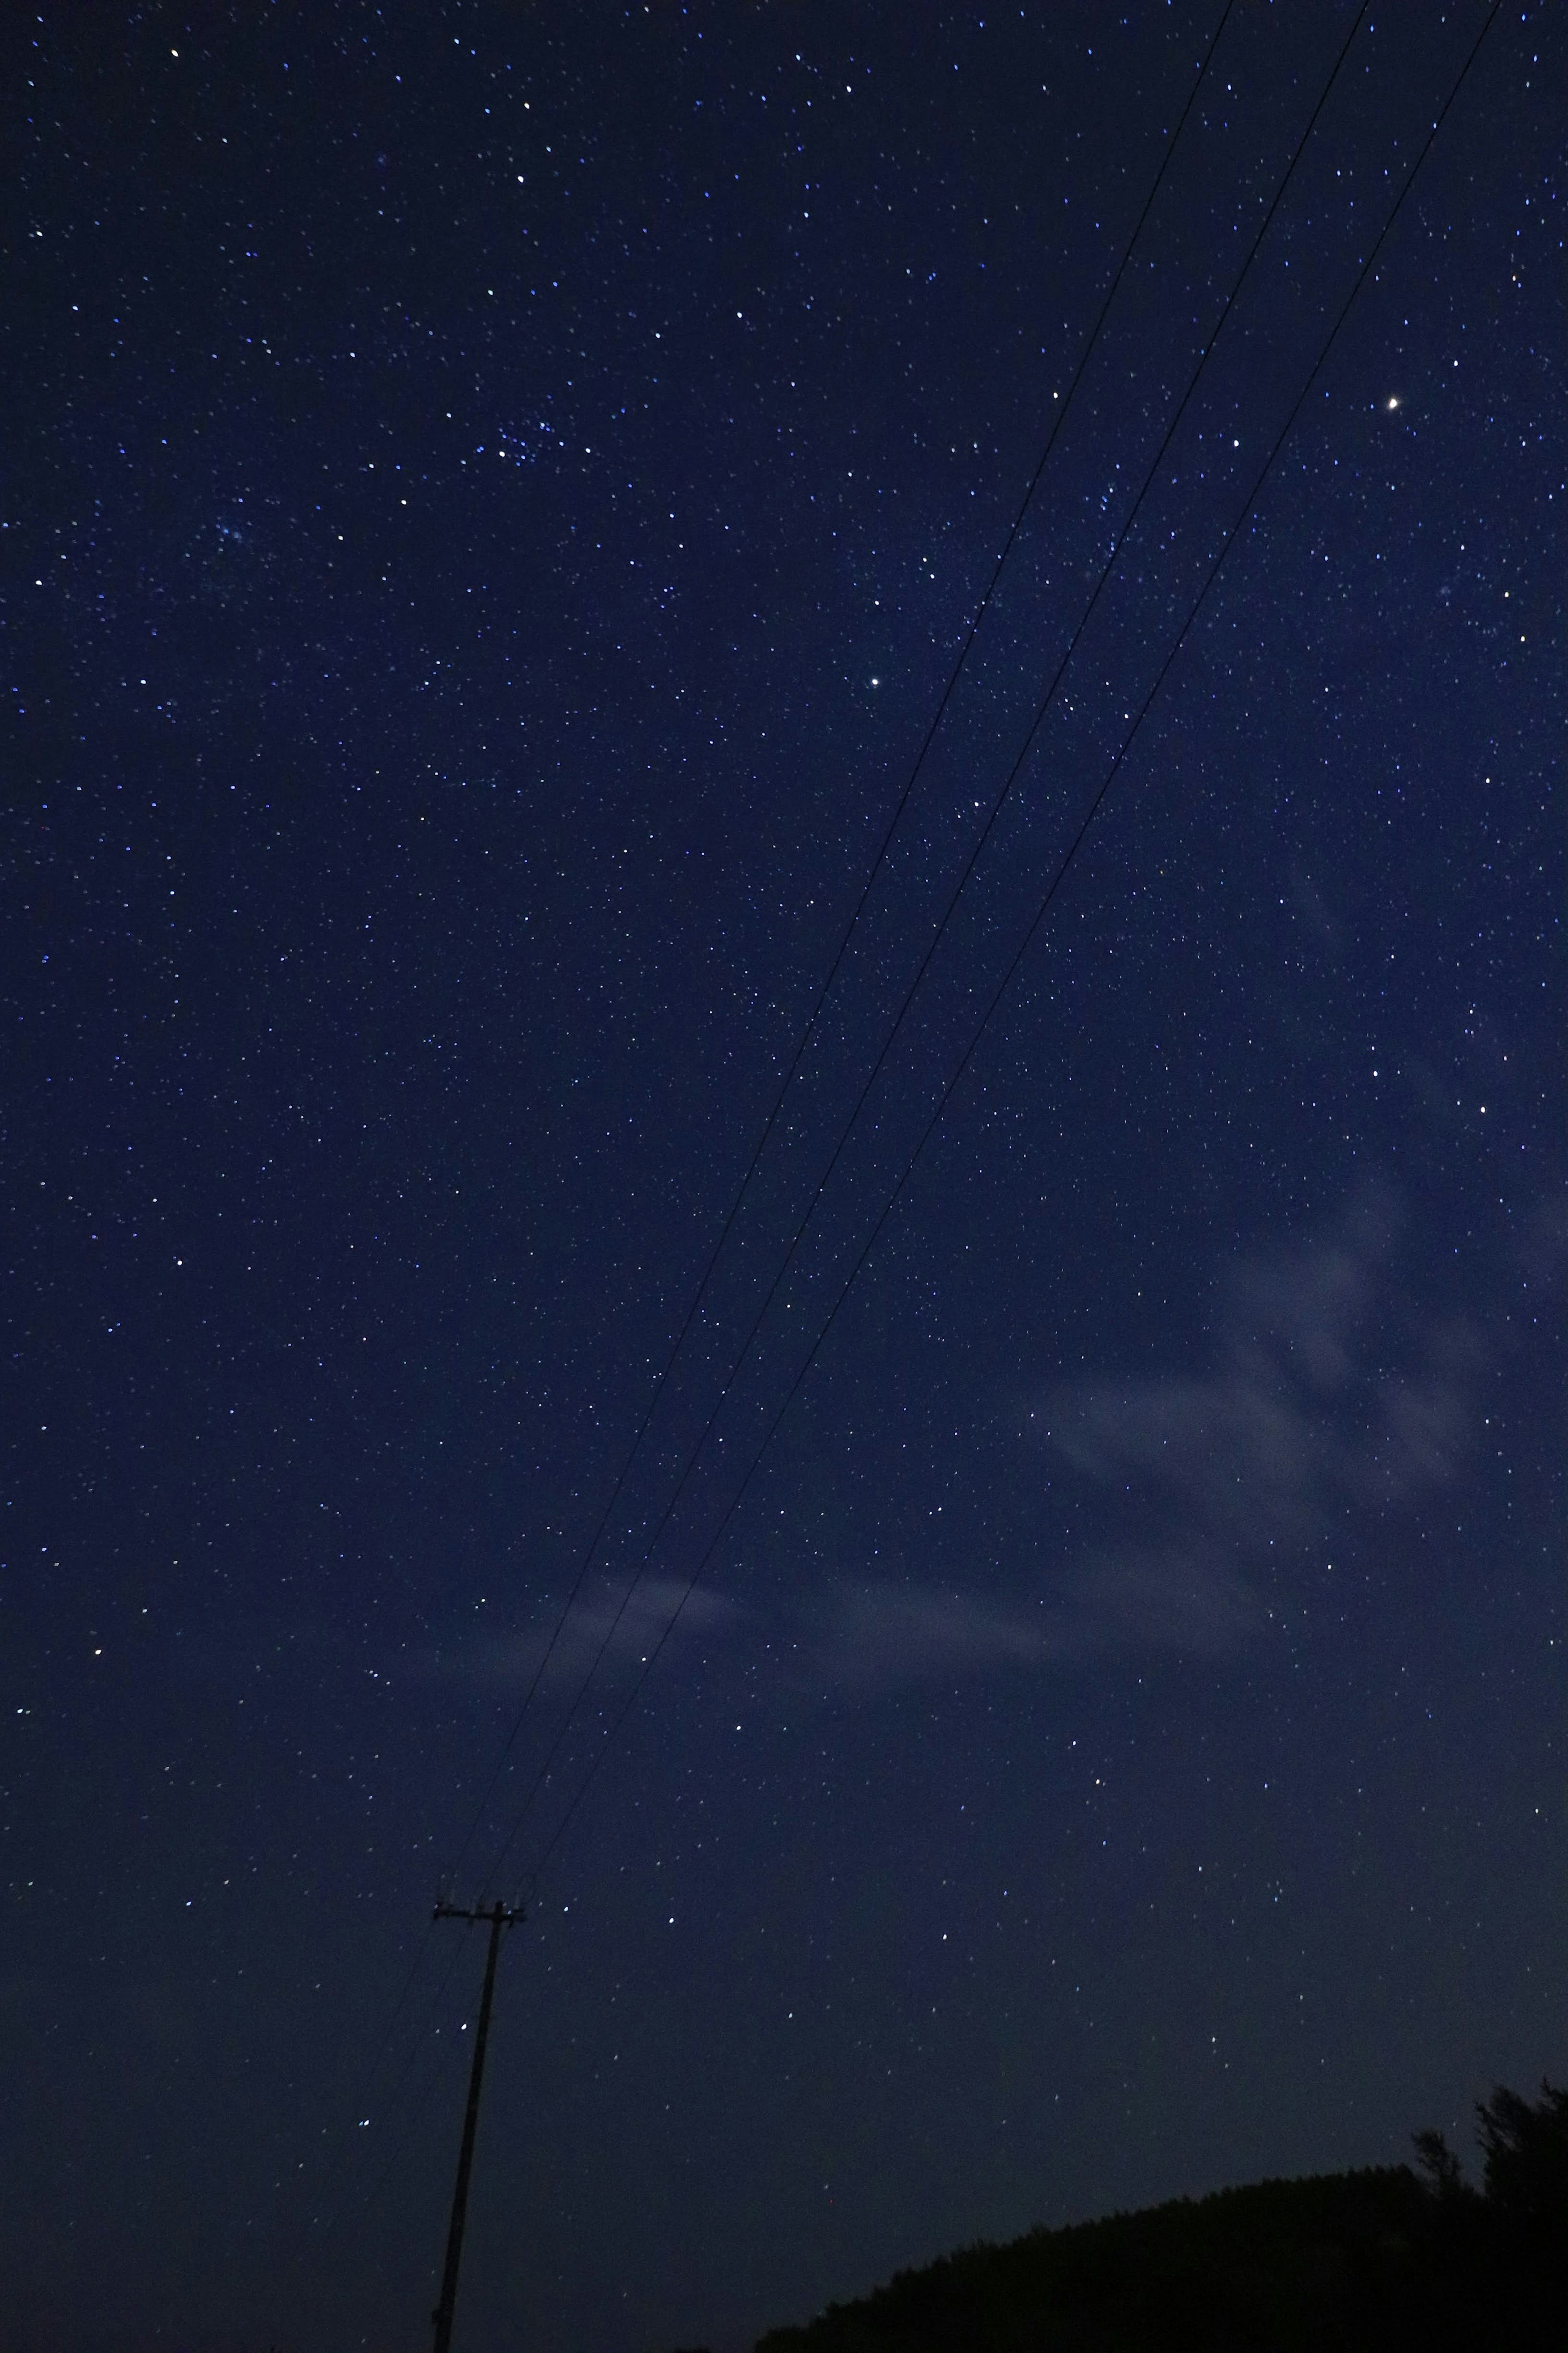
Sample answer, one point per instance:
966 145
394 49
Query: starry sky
493 498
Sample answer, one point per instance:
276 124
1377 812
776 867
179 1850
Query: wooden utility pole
500 1915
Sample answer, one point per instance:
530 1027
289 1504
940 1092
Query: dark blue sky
493 499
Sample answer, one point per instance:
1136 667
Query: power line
836 966
1030 934
416 2045
1009 975
1057 881
411 2126
975 853
802 1045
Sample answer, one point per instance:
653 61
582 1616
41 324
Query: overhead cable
1042 710
1003 986
825 988
803 1042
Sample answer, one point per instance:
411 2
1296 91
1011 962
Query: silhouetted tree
1440 2166
1524 2156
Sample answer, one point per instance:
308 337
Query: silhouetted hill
1278 2264
1375 2262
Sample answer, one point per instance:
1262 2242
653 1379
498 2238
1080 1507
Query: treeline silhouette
1372 2262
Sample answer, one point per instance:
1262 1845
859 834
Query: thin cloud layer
1330 1401
1327 1398
510 1661
881 1632
1326 1395
884 1633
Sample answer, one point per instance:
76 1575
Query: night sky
493 497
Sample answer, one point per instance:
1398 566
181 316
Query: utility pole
500 1915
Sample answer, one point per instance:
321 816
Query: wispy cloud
1327 1402
509 1660
1326 1393
1326 1399
882 1633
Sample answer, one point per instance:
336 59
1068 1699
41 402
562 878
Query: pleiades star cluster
494 499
